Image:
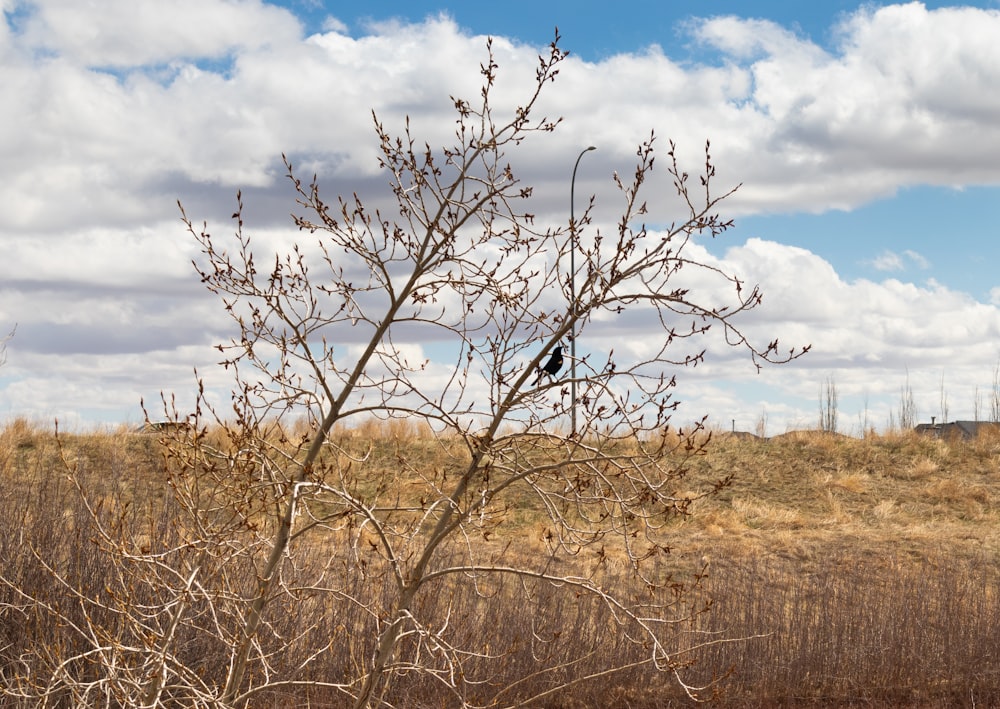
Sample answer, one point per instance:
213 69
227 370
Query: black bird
552 366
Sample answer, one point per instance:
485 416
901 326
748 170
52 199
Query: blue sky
866 138
956 232
592 30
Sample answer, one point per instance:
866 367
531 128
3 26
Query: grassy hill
806 495
849 572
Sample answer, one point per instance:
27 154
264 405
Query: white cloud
332 24
891 261
127 33
887 261
916 259
906 98
111 117
866 335
803 129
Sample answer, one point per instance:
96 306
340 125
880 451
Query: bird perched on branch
552 366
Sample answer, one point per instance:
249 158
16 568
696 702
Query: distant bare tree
907 406
828 406
290 539
943 398
995 395
3 345
864 418
760 428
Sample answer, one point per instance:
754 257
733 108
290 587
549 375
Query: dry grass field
805 496
859 573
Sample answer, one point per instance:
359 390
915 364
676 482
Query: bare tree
907 406
943 398
290 517
995 395
3 345
865 419
760 428
828 406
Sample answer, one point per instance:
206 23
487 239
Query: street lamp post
572 288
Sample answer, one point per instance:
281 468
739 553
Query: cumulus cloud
128 33
892 105
111 116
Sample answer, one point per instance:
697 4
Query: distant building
956 429
163 426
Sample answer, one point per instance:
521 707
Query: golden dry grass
811 492
806 492
817 538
